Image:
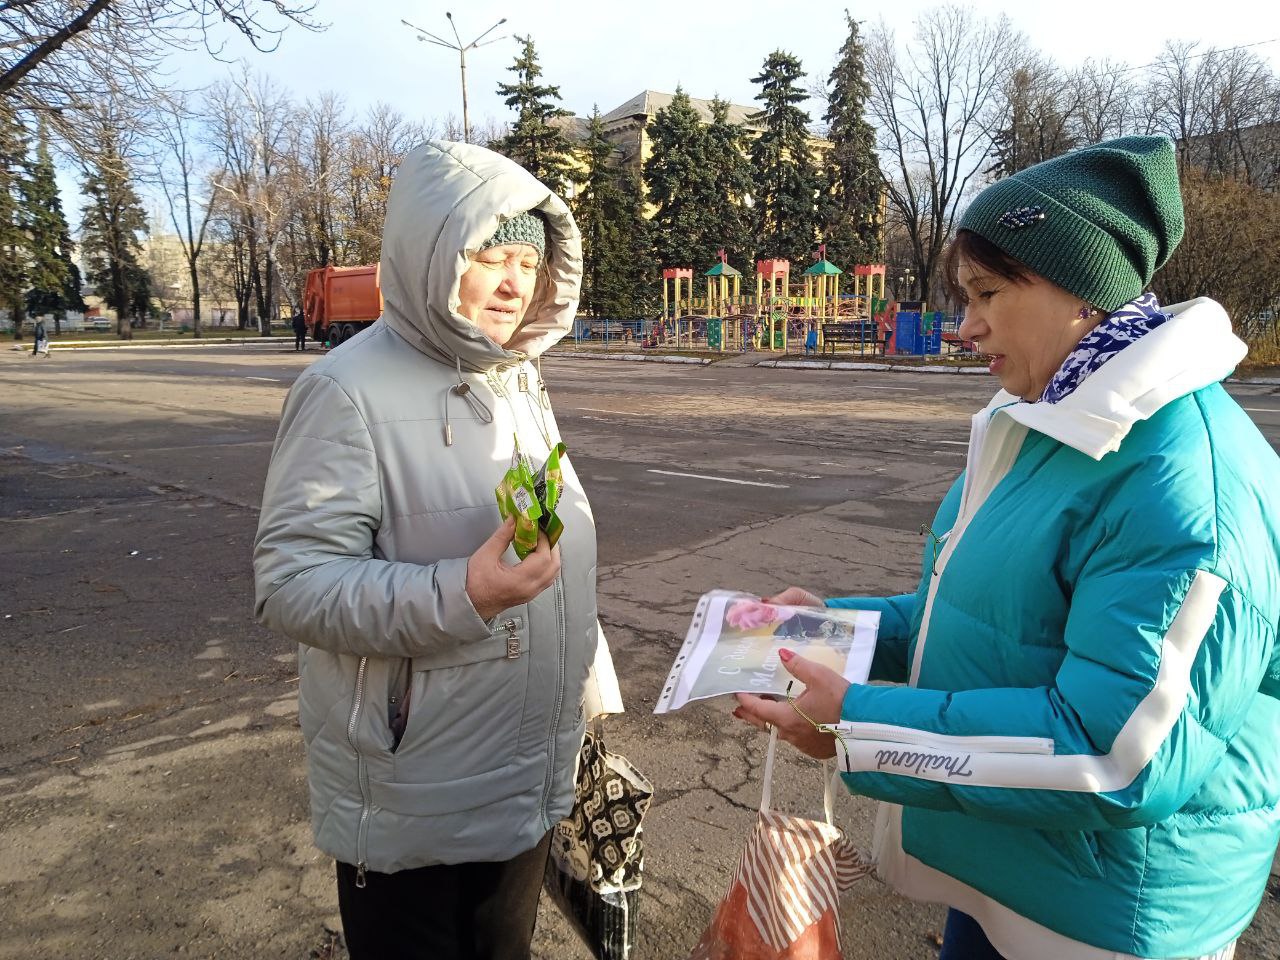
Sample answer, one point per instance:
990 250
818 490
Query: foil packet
532 498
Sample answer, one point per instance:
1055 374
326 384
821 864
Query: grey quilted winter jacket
369 515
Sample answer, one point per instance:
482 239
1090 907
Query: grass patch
845 356
1263 353
109 336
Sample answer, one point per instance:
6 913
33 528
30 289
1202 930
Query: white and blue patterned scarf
1131 322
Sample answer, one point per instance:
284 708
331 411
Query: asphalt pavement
152 795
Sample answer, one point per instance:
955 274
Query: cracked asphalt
152 796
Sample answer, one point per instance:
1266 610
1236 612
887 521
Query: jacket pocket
465 706
514 644
1080 847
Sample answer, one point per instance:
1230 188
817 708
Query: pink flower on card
752 614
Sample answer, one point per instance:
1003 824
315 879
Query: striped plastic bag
782 903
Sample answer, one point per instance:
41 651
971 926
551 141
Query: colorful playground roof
722 270
824 267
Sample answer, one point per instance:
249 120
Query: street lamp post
425 36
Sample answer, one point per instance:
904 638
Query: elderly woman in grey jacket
442 682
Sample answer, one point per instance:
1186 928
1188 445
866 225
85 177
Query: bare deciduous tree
56 53
320 147
1223 109
375 150
1106 101
930 101
186 185
251 123
1031 114
1231 252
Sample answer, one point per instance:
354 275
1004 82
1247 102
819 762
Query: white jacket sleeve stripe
1026 762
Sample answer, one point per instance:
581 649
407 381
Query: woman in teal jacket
1082 760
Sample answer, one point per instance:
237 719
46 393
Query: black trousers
464 911
963 939
300 341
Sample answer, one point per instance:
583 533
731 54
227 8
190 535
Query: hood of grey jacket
448 199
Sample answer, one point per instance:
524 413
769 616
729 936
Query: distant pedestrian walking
42 340
299 331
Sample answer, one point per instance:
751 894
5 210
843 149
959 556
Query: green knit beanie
522 228
1098 222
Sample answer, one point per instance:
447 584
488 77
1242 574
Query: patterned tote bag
782 902
597 852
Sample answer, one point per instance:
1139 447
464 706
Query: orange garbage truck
339 302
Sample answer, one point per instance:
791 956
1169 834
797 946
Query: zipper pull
513 640
522 380
360 880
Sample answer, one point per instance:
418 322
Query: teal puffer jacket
1084 756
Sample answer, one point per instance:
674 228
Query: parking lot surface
152 792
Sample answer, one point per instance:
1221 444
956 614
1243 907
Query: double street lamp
425 36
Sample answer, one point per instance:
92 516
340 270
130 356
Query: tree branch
50 45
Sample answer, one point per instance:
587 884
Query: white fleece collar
1193 350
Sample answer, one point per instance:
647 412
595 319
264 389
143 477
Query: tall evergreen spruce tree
113 221
632 279
681 184
618 267
699 178
729 226
851 228
787 180
58 302
52 277
13 234
534 142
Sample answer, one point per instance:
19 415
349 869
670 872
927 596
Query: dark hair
976 249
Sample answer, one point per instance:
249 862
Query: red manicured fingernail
786 655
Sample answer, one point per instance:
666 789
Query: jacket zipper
555 714
362 775
499 388
971 499
513 639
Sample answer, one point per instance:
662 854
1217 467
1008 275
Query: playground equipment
671 298
724 286
773 309
780 311
864 281
822 287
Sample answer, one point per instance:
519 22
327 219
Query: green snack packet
517 497
532 499
547 485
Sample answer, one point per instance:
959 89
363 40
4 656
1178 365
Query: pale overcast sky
604 52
